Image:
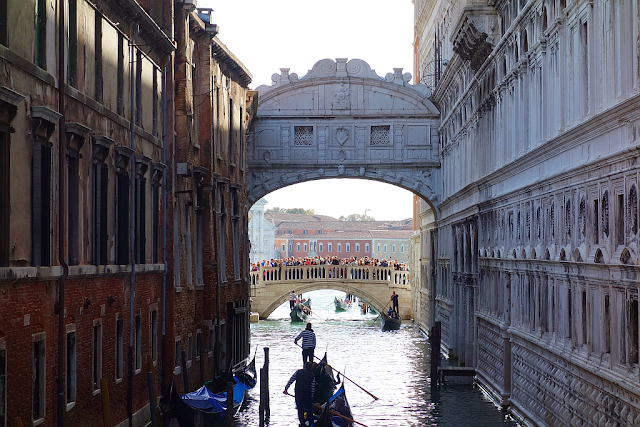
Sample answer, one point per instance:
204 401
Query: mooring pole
230 404
435 352
266 383
262 399
185 379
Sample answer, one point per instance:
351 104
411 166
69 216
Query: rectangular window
71 368
198 345
98 57
199 242
3 41
290 247
100 236
380 135
319 231
138 94
235 228
39 370
366 248
4 197
305 247
97 356
302 135
339 247
189 350
212 339
393 248
305 231
154 335
385 248
357 247
119 347
216 134
378 248
120 77
321 247
154 101
178 354
41 34
232 142
72 62
138 341
222 231
283 246
347 247
329 246
122 218
620 221
141 219
41 203
241 144
155 234
3 386
297 247
607 325
289 231
596 223
633 332
401 249
73 218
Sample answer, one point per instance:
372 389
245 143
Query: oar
343 375
346 418
313 312
380 314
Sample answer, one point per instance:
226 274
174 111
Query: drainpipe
61 214
131 233
164 222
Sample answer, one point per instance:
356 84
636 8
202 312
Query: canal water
393 366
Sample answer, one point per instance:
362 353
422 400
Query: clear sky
268 35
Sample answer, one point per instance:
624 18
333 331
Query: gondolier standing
292 300
394 300
308 343
305 388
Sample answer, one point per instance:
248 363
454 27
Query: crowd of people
333 260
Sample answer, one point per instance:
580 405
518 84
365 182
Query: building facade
529 260
96 246
261 234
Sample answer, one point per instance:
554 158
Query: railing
328 272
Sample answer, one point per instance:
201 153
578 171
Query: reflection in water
393 366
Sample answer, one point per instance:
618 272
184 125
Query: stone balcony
475 34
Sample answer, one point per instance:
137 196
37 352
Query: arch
599 257
342 120
563 255
317 286
625 257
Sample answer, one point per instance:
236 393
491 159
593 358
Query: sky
268 35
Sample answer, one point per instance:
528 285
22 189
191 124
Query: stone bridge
342 120
270 286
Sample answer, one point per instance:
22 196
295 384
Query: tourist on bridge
394 300
305 389
308 343
292 299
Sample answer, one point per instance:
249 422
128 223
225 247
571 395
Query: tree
356 217
291 211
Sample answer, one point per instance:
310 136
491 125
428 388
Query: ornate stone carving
341 135
267 155
341 170
342 156
361 171
341 98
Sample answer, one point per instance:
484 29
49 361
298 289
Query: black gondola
325 381
389 323
331 417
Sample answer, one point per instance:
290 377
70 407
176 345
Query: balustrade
329 272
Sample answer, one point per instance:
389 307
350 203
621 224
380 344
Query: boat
325 381
330 417
208 405
340 304
389 323
300 313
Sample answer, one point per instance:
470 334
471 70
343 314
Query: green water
393 366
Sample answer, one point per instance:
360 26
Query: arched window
582 217
552 219
568 218
632 209
605 213
525 42
544 19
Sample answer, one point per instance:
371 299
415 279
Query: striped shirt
293 378
308 339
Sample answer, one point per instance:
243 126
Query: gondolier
292 299
305 389
394 301
308 343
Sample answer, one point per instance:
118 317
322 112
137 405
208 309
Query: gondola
389 323
330 417
325 381
208 405
341 305
298 314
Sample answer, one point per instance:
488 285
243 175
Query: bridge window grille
380 135
303 135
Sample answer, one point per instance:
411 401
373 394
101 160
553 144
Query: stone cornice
224 55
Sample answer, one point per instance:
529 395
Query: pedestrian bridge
271 286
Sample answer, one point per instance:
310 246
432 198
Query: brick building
99 264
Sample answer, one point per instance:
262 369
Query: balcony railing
328 273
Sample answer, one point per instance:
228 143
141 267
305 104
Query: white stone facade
261 234
531 261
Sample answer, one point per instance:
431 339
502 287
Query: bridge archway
309 287
342 120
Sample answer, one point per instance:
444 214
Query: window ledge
14 274
38 421
137 371
178 289
189 363
200 287
70 406
224 282
177 370
210 354
118 380
197 358
95 392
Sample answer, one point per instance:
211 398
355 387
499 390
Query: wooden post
185 378
266 384
230 326
230 404
153 403
156 402
17 422
261 409
435 352
106 407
